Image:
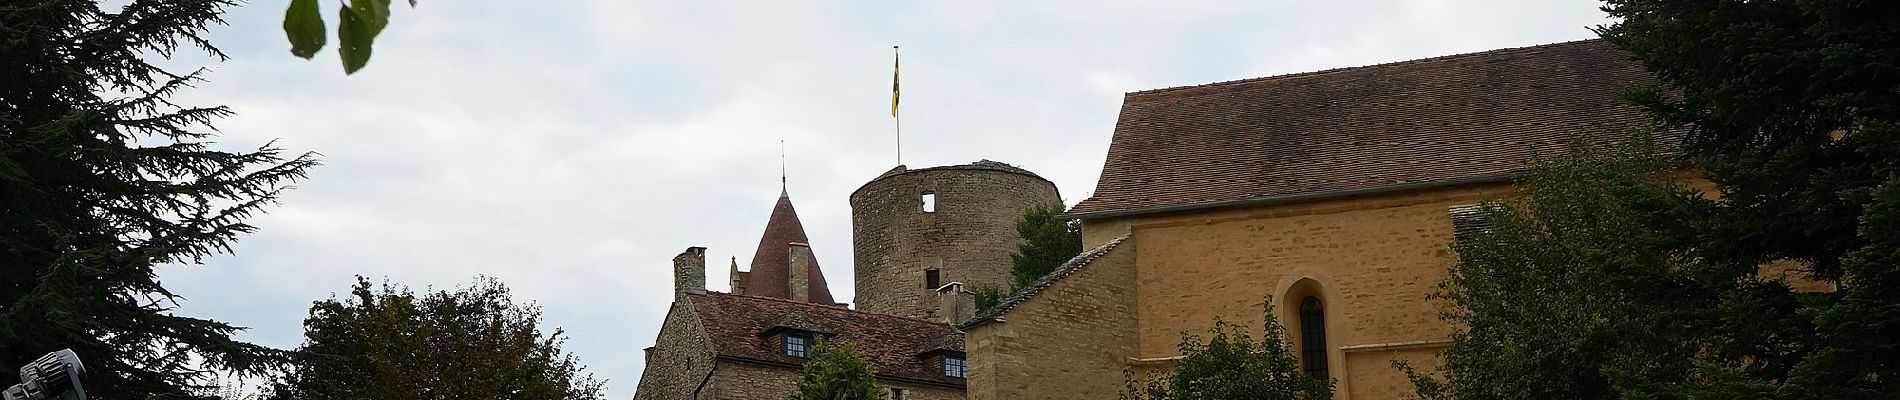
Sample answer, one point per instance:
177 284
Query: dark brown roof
737 324
770 275
1021 295
1440 119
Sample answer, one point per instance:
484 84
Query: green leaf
355 35
303 26
377 12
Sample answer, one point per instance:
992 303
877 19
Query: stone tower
916 230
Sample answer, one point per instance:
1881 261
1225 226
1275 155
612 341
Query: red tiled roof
771 271
1441 119
736 324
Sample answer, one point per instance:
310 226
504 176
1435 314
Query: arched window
1313 336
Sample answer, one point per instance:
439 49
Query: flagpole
895 114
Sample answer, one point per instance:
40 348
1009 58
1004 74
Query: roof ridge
790 301
1368 66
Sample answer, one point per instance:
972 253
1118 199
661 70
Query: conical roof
771 265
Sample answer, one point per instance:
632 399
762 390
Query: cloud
572 148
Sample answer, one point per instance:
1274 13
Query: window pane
953 367
797 346
1313 336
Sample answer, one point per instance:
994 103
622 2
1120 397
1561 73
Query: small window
897 394
798 346
1470 221
1313 336
953 366
931 280
930 202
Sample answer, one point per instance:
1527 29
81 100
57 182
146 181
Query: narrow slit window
1313 336
930 202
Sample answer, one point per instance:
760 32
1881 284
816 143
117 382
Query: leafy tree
473 343
1047 242
103 178
1793 111
358 23
987 296
1230 364
836 372
1576 286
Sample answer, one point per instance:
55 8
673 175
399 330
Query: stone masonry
968 238
1070 341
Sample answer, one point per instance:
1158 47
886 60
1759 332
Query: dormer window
798 345
953 366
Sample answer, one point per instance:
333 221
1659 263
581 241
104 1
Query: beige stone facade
1070 341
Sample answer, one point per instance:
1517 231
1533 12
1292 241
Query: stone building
736 346
915 230
931 229
1331 191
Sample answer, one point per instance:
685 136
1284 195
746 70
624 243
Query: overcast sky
571 148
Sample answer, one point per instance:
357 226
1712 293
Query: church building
1332 192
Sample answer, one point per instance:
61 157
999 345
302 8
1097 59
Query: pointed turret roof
771 265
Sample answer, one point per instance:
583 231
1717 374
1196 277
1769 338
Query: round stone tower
916 230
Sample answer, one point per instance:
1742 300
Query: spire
781 170
771 274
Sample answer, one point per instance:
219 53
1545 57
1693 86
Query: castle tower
914 231
783 266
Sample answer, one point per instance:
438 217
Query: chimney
799 278
738 283
689 272
955 305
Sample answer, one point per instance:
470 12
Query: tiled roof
1448 118
736 324
770 275
1067 268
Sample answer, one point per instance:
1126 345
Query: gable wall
1070 341
682 356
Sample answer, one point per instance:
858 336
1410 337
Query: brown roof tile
1439 119
737 324
770 275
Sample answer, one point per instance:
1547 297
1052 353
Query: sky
572 148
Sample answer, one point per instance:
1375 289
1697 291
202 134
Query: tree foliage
1605 281
987 296
1231 365
358 23
1578 285
103 178
836 372
473 343
1793 110
1047 242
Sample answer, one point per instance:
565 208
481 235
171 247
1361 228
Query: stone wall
742 380
681 358
1372 261
968 238
1071 340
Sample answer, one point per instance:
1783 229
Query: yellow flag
894 91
